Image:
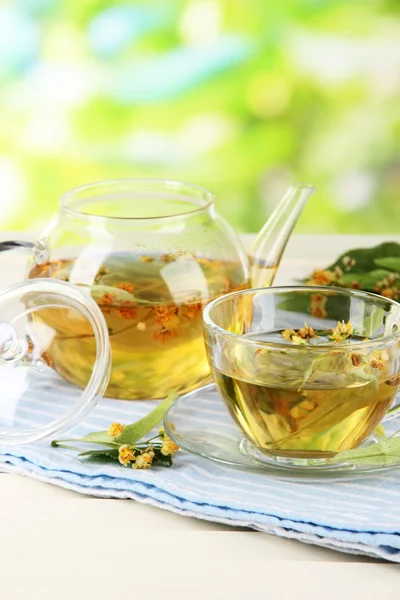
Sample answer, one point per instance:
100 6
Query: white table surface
58 544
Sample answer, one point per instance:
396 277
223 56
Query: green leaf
100 456
136 431
382 453
131 434
100 437
392 263
365 257
112 453
374 321
98 291
307 375
160 458
165 460
366 281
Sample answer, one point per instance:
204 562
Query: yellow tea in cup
301 386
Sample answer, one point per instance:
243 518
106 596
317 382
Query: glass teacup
305 372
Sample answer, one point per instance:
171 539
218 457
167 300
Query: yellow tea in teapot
262 274
153 308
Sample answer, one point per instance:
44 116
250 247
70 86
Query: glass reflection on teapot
152 254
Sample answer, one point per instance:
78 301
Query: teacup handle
39 249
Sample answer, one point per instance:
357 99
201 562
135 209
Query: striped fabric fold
361 516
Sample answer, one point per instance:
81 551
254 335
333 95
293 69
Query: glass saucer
203 426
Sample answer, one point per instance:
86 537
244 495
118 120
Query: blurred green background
244 97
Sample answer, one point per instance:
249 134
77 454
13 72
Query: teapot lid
37 353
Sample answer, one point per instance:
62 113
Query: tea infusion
312 411
153 308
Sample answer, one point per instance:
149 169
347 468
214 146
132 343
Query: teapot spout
268 248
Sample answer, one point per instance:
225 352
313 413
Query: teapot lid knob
13 347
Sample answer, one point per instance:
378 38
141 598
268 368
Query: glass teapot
151 254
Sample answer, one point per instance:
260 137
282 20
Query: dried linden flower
298 341
115 429
287 334
375 360
143 461
148 458
164 314
342 331
161 430
107 299
127 287
318 302
322 277
348 262
318 299
169 448
164 335
167 258
306 332
126 454
338 272
356 359
318 312
301 336
190 311
127 312
346 328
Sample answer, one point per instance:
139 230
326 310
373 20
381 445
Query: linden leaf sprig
124 442
374 269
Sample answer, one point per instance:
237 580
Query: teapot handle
39 249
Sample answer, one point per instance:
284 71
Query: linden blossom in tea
156 335
306 392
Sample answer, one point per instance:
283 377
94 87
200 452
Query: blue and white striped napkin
361 517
